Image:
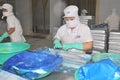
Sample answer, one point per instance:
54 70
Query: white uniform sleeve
87 35
11 22
57 36
60 32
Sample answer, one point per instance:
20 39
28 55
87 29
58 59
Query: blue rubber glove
4 35
72 46
57 44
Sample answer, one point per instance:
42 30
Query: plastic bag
70 58
102 70
32 65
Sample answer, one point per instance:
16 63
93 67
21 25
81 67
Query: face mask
72 24
7 13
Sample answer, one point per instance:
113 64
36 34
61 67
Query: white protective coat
113 21
80 34
13 22
16 36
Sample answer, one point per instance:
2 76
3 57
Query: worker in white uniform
84 12
15 31
73 35
113 21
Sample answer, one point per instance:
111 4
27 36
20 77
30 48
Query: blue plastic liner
32 65
71 60
102 70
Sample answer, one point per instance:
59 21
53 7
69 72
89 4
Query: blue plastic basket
113 56
32 65
10 49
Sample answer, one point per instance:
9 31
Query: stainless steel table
58 76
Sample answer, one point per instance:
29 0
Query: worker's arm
80 46
6 34
11 30
88 45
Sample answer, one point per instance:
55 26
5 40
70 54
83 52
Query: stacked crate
114 42
88 20
99 41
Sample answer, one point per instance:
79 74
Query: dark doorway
41 16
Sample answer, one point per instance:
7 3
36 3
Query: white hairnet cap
7 6
84 11
71 11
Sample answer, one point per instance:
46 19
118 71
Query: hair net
8 7
114 11
71 11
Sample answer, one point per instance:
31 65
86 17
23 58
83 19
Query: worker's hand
4 35
1 39
72 46
57 44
